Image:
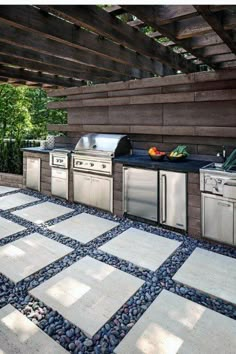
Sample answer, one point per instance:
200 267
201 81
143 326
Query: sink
214 166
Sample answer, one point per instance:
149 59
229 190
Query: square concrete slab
18 335
141 248
84 227
211 273
4 189
15 200
25 256
42 212
174 325
8 228
88 293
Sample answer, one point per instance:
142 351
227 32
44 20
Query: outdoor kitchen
113 167
118 179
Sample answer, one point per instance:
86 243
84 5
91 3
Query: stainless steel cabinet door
33 173
173 199
217 218
140 192
94 191
82 186
101 193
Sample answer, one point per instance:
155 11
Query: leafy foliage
23 115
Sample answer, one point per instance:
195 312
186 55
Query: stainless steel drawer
229 190
59 173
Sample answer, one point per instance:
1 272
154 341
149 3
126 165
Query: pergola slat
99 21
213 50
32 19
148 15
217 24
29 64
21 74
223 58
88 42
86 73
30 40
198 26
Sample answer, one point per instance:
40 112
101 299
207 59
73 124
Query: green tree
15 120
41 115
24 113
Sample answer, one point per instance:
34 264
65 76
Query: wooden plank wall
197 109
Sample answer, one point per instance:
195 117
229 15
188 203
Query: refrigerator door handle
163 198
125 194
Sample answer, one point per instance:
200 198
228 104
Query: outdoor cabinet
33 166
173 199
93 190
60 182
218 218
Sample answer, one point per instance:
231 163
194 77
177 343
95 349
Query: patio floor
75 279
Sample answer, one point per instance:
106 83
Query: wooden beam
51 27
223 58
197 26
99 21
155 34
202 41
149 15
33 41
136 23
227 65
114 10
21 74
213 50
217 25
85 72
42 67
166 14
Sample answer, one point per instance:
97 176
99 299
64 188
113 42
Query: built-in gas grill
94 152
92 168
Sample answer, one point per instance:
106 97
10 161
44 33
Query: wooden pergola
66 46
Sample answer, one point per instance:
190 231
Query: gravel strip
107 338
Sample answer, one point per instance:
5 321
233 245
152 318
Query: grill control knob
103 166
91 164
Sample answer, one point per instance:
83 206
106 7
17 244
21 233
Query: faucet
222 154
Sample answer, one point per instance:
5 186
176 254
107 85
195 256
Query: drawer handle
224 204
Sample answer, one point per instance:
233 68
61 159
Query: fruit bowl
175 158
157 157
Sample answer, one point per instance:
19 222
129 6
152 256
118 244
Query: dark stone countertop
37 150
144 161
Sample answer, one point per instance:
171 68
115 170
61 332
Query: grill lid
106 144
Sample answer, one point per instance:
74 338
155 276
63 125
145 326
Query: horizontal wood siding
196 109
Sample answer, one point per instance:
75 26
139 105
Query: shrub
11 156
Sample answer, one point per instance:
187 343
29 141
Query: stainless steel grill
92 168
94 152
